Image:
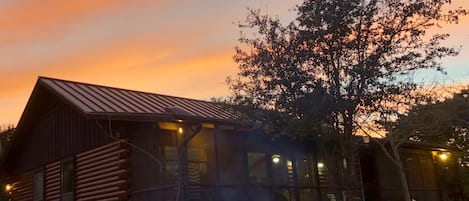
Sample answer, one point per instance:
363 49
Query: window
257 168
68 180
230 158
282 170
197 165
305 170
38 186
170 158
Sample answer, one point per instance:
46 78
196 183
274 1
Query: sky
180 47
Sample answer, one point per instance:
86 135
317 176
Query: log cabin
78 141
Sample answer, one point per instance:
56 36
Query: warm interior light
180 131
320 165
8 187
276 158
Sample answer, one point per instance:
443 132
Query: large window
68 180
257 168
282 170
231 159
197 163
305 170
38 186
201 164
170 157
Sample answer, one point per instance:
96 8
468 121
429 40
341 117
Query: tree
333 65
442 122
6 135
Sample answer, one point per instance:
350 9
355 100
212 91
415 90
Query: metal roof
101 100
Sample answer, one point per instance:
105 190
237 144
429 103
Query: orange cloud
33 20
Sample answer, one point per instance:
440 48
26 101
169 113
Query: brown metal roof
114 102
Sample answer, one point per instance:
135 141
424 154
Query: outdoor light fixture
443 156
276 158
320 165
180 130
8 188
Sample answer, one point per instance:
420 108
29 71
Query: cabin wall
60 133
101 173
382 181
221 164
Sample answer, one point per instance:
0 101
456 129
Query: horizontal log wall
102 173
52 182
22 188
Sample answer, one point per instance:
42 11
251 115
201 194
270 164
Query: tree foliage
442 122
334 64
6 135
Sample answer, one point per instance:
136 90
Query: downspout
184 183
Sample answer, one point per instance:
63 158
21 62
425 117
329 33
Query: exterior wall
52 181
100 174
60 133
381 178
220 164
21 187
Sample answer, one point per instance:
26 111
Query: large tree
333 65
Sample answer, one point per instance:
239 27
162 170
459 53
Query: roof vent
178 111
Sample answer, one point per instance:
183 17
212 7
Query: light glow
320 165
8 187
443 156
276 158
180 130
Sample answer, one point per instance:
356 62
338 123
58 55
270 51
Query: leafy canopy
338 59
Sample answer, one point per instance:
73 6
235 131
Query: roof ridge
122 89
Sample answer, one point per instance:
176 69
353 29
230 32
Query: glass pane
413 171
282 168
170 153
231 162
284 195
305 170
196 154
428 172
308 194
259 194
257 168
197 172
38 188
171 171
68 177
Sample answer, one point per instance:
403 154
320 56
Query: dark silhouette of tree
336 62
6 135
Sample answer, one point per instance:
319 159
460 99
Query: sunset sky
181 48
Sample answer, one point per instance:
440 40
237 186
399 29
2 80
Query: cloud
29 20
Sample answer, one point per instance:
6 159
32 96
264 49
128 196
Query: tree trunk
404 184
